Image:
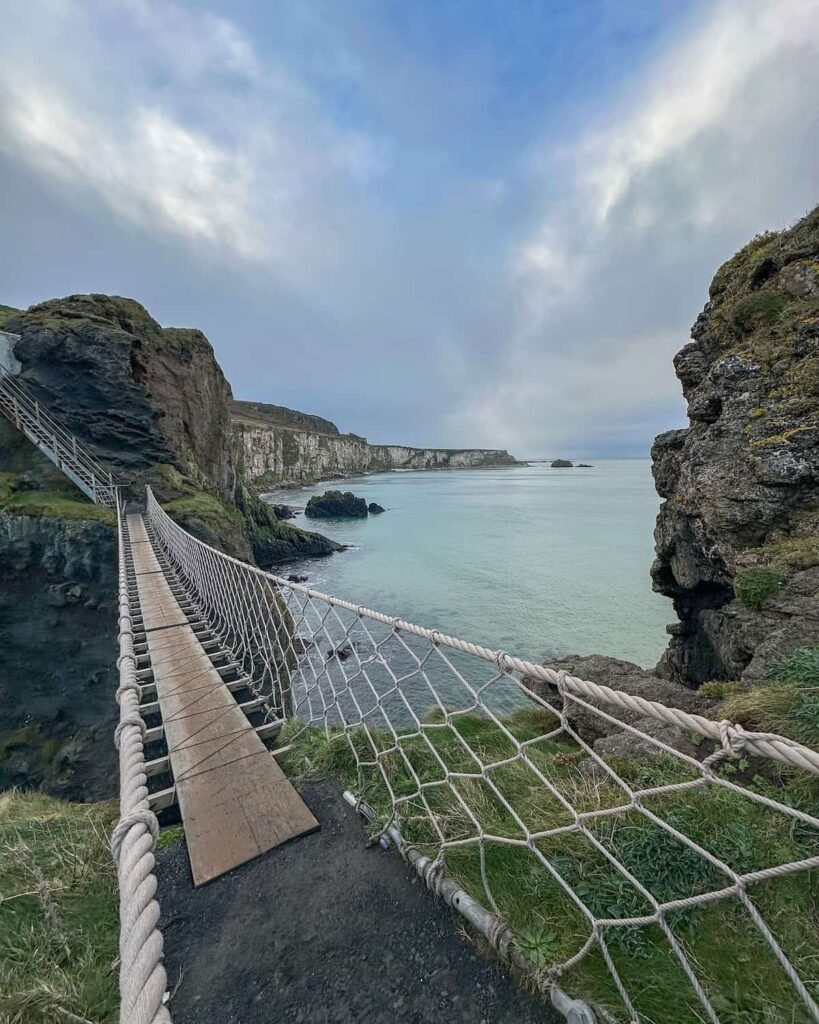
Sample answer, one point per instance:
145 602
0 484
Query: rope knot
435 637
733 739
127 686
126 823
136 720
434 875
499 658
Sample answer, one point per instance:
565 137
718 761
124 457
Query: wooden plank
235 801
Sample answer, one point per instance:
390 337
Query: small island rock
375 509
336 503
562 464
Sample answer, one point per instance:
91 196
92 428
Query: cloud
173 122
371 237
718 140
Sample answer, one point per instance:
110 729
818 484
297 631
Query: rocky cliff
57 629
154 404
737 536
281 456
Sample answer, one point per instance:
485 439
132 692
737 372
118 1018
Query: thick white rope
142 978
730 736
370 698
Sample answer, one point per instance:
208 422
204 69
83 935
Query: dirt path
325 931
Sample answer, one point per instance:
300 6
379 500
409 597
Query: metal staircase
20 406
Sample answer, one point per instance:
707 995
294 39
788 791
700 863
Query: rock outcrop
737 535
154 404
562 464
140 395
607 738
336 503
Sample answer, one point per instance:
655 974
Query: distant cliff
275 455
281 416
738 534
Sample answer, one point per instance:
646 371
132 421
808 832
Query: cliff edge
154 404
737 537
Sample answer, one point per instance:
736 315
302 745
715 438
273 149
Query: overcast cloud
445 223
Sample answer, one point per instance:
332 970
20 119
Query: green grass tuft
730 957
59 923
6 313
168 836
754 587
760 308
788 703
56 504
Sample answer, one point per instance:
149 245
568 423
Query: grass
720 938
54 504
6 313
792 553
58 911
754 587
788 703
168 836
760 308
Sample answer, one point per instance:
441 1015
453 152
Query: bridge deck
235 801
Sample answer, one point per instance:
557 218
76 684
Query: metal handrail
17 402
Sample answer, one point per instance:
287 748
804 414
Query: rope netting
657 879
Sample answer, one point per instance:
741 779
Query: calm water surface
537 561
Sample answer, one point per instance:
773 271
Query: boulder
375 509
631 679
334 504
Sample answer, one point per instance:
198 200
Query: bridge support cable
476 757
142 977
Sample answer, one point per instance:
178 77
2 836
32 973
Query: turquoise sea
539 562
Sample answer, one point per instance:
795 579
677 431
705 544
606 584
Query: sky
484 223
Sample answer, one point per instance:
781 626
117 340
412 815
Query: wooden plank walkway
235 801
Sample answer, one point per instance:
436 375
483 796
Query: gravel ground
323 930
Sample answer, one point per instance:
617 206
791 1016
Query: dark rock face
154 404
562 464
137 393
336 503
740 483
375 509
58 674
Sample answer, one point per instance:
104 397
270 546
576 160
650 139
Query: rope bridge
471 759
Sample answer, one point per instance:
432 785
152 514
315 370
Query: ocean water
536 561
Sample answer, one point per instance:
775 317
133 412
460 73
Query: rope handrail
771 745
395 694
142 977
